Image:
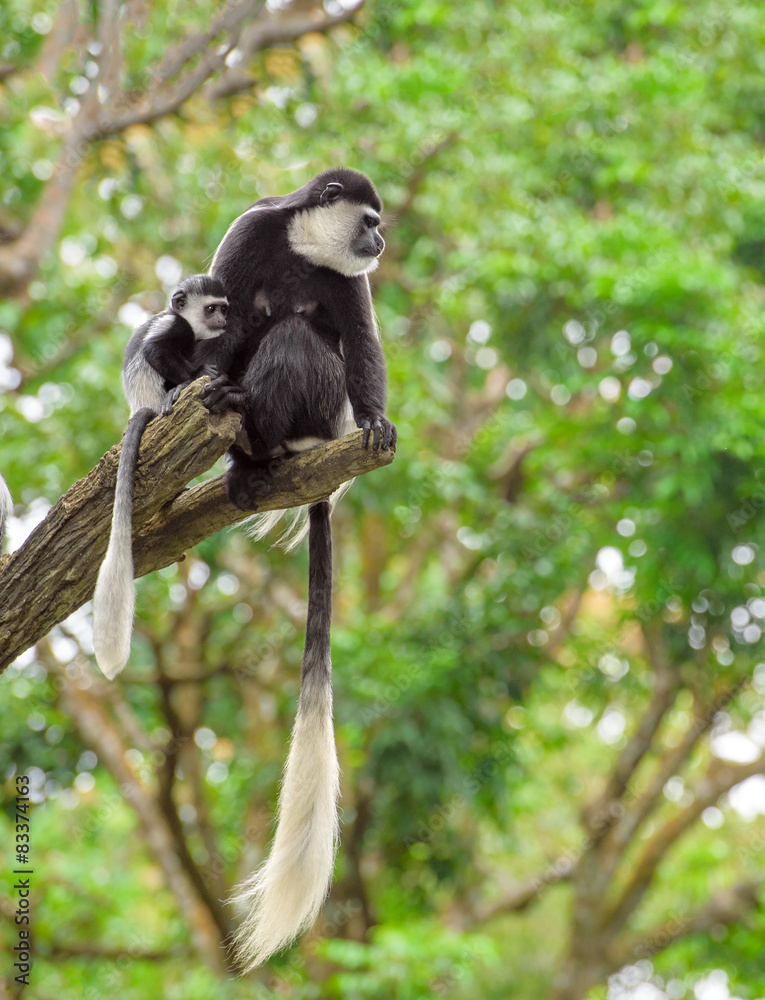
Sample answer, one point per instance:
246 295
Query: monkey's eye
209 310
371 222
223 310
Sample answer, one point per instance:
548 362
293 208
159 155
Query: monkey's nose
379 244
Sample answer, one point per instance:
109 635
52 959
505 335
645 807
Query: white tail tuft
114 604
259 525
286 893
6 508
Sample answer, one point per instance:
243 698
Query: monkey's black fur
295 371
319 617
295 269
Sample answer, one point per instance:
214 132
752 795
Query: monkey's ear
178 301
332 191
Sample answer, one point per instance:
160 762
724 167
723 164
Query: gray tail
114 599
284 896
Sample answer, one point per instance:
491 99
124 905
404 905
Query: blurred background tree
548 610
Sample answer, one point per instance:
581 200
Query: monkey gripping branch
54 572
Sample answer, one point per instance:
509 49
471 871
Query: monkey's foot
220 394
384 433
172 398
244 482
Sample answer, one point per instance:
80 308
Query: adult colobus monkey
161 358
6 508
295 268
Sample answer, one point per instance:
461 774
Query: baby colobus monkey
296 268
161 358
6 508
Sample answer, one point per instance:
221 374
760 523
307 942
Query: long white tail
284 896
6 508
114 599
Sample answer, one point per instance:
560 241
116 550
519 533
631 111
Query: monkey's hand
210 371
171 398
220 394
384 433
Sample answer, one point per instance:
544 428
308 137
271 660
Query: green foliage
571 304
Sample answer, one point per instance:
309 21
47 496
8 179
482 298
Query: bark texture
54 572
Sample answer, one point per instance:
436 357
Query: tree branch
20 258
182 711
665 692
729 906
518 897
121 108
54 572
56 951
720 778
99 732
230 20
286 26
259 35
59 40
620 833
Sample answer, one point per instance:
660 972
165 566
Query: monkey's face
206 315
342 235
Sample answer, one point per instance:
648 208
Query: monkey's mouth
369 246
371 250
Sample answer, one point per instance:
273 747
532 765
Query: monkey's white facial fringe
284 896
324 236
194 314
